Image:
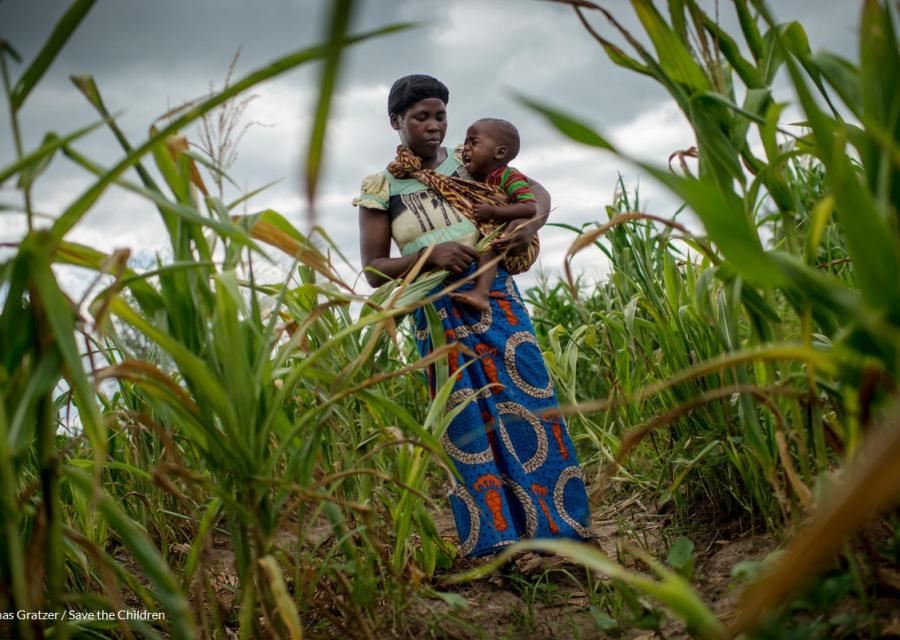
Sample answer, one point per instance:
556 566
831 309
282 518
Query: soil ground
546 597
537 597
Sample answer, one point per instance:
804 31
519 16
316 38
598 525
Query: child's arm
517 211
522 202
518 233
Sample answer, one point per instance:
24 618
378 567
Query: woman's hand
375 250
452 256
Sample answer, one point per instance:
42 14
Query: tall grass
770 339
264 414
662 312
736 367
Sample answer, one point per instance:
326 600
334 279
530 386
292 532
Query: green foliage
814 612
681 556
243 421
800 247
727 371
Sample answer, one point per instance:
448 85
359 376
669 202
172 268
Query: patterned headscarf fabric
463 195
408 90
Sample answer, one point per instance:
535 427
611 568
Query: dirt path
554 598
549 597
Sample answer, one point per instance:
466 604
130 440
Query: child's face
481 152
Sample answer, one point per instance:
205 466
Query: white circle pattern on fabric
527 503
569 473
466 457
467 545
511 290
509 358
484 323
540 454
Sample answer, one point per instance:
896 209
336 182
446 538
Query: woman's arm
542 198
518 235
375 249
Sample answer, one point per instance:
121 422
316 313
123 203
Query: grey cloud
148 56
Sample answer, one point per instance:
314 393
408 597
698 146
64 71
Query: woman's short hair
408 90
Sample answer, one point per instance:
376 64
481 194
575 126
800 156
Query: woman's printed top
419 216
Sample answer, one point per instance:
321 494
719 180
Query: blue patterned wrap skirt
520 475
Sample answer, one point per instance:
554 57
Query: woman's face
423 127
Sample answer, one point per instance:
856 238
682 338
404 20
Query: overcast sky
150 56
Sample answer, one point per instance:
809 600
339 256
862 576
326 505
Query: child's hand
515 239
483 212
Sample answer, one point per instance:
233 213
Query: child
489 147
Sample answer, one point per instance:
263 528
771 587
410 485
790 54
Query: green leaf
726 224
843 76
48 148
755 100
718 156
679 23
205 382
88 87
828 292
231 358
670 589
879 63
819 217
167 167
674 57
250 194
730 49
454 600
81 256
284 604
88 465
603 621
8 48
76 211
186 210
722 212
30 173
60 318
145 554
613 52
750 29
568 126
681 556
880 98
873 247
341 13
45 57
768 131
622 59
872 244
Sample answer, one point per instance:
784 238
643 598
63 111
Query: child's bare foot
476 299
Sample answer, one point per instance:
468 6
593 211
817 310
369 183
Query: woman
512 449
